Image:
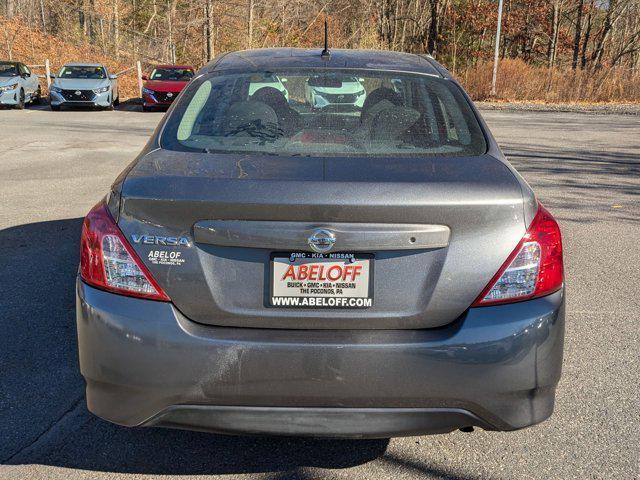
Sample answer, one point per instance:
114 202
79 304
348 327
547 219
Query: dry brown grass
32 47
518 81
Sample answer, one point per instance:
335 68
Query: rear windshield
83 72
325 112
172 74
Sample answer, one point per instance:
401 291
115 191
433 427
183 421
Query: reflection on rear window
322 112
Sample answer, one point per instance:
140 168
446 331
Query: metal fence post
496 56
139 67
47 72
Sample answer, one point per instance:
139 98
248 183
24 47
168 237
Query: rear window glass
325 112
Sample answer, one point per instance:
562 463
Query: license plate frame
322 301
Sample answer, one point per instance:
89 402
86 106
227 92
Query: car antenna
326 54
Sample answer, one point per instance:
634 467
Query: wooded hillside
551 50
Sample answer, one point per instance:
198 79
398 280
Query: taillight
107 261
534 268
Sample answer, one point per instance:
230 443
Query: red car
164 84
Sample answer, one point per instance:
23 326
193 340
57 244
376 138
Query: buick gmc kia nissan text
265 266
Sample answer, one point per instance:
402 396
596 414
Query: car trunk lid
437 229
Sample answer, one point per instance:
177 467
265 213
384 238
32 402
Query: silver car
264 267
269 81
84 85
18 85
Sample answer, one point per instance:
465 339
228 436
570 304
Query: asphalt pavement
54 166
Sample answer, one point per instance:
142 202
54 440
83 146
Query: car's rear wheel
20 104
117 101
55 108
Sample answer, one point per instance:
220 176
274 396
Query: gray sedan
263 267
84 85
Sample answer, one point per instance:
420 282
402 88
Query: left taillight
107 261
534 269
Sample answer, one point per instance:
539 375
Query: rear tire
55 108
146 109
117 101
20 104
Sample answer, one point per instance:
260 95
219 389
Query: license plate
321 280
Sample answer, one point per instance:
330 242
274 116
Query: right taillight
534 268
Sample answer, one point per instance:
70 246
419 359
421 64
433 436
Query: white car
84 85
337 92
268 80
18 85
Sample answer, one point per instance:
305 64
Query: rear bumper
318 422
146 364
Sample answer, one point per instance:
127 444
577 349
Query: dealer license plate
321 280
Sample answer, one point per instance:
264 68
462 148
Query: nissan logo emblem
322 240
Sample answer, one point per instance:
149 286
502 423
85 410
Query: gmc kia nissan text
267 266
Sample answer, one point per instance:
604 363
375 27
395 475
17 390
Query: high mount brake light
534 269
107 261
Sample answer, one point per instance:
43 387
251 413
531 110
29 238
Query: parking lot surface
55 166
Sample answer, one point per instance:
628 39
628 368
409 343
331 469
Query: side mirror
113 77
145 77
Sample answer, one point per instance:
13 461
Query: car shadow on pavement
38 353
591 185
43 418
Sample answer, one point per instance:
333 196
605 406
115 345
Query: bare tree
553 38
578 34
10 7
116 28
433 28
250 24
209 29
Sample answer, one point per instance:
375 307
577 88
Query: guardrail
138 68
47 71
